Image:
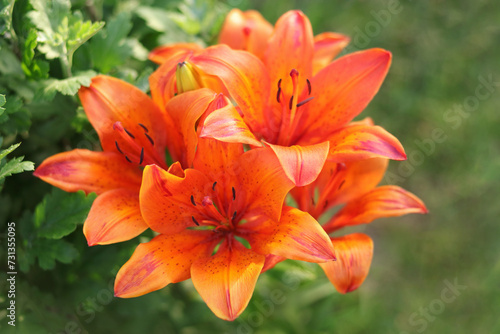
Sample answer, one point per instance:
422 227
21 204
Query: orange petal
165 199
296 236
261 183
245 80
302 164
186 110
326 46
227 279
385 201
89 171
354 255
358 142
247 31
271 261
163 260
290 47
225 124
359 177
109 100
163 53
115 216
342 90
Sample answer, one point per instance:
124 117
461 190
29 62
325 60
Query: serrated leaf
33 68
59 213
6 15
68 86
12 147
2 102
15 166
60 32
108 48
49 251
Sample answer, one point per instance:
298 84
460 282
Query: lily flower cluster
264 115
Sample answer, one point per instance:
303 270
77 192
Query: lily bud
188 77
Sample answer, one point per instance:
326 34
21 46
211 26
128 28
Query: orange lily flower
133 133
353 184
303 116
228 197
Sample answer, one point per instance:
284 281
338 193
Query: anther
278 96
141 159
192 200
131 135
150 139
234 193
234 216
301 103
290 103
213 186
128 159
118 147
309 88
195 221
144 127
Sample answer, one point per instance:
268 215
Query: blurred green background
438 273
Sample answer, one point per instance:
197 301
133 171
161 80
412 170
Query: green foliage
60 31
14 165
69 86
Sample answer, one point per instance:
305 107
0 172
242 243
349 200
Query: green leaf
109 48
6 15
68 86
33 68
2 102
60 212
60 32
12 147
49 251
13 166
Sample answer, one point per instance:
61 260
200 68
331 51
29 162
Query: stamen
234 193
192 200
144 127
278 96
131 135
213 186
195 221
300 104
141 159
234 216
128 159
118 147
309 88
290 103
150 139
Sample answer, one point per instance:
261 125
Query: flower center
222 218
290 116
135 149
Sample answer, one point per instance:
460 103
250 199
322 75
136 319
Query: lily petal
163 260
186 110
115 216
290 47
354 255
385 201
163 53
358 142
226 280
89 171
245 80
262 184
246 31
326 46
297 235
226 124
109 100
342 90
165 199
302 164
